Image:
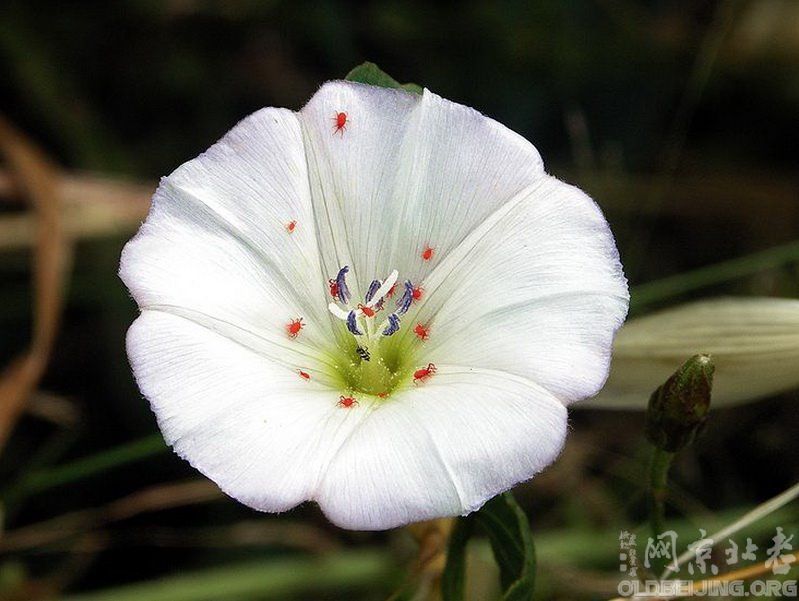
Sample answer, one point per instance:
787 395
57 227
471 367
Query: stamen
352 324
375 297
393 325
404 303
373 287
338 311
384 289
341 281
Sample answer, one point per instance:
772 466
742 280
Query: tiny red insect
427 253
294 326
333 288
422 332
417 293
391 291
420 375
290 226
382 395
368 311
304 374
341 123
346 401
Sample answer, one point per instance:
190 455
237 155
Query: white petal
260 431
353 174
215 244
457 168
537 290
408 171
273 440
442 449
754 344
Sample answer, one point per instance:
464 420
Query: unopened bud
678 408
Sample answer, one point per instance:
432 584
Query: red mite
391 291
294 326
420 375
341 123
290 226
333 288
368 311
427 253
346 401
417 293
382 395
422 332
304 374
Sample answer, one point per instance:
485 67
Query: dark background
680 117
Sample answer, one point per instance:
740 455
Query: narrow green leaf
87 467
688 281
512 544
339 575
453 580
371 74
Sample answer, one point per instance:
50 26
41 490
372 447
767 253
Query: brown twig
36 177
166 496
91 206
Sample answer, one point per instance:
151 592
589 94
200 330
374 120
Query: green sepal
511 541
371 74
678 409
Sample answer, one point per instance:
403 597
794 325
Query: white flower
508 292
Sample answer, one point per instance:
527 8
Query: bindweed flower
380 303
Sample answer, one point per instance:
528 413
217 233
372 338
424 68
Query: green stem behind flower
659 488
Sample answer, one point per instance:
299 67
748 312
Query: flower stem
658 488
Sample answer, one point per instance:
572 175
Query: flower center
374 362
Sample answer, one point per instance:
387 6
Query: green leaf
453 580
338 575
87 467
511 542
371 74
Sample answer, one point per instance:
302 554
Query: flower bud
678 408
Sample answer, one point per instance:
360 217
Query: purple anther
352 324
393 325
404 303
373 287
341 282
